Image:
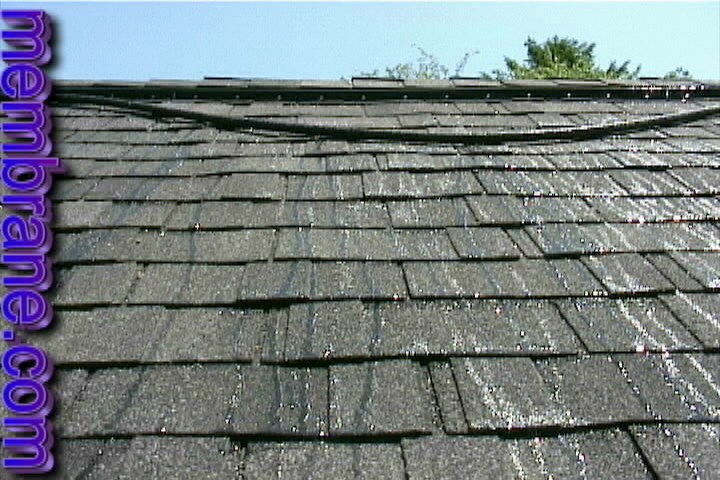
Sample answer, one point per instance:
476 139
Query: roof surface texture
373 279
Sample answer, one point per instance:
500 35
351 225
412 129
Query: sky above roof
186 40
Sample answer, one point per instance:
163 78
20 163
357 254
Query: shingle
449 458
512 210
524 243
230 247
646 182
545 120
623 209
350 280
686 159
297 461
592 390
267 186
121 245
597 454
132 122
562 147
166 457
213 334
328 330
333 214
363 245
82 122
147 168
324 187
167 284
482 242
469 120
557 239
133 138
96 410
417 120
72 189
349 163
677 275
448 398
94 151
653 107
700 180
300 108
430 213
680 451
692 145
641 158
213 215
143 188
280 400
136 214
627 273
431 329
256 165
419 185
564 183
675 387
704 267
626 325
76 168
275 281
521 278
511 162
409 107
632 143
104 335
79 214
700 313
476 107
583 161
506 393
74 457
424 162
175 399
155 152
374 398
322 281
95 284
367 123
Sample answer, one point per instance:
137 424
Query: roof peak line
377 88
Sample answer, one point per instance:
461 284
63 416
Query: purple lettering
23 80
36 37
27 309
37 445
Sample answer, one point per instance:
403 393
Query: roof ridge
371 88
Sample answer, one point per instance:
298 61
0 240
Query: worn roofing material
271 304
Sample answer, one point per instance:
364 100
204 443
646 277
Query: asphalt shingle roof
234 301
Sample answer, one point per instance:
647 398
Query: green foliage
678 74
426 67
554 58
562 58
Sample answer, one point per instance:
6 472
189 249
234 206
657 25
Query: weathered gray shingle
262 303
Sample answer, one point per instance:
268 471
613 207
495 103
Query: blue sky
184 40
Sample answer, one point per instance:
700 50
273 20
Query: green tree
678 74
562 58
427 66
554 58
